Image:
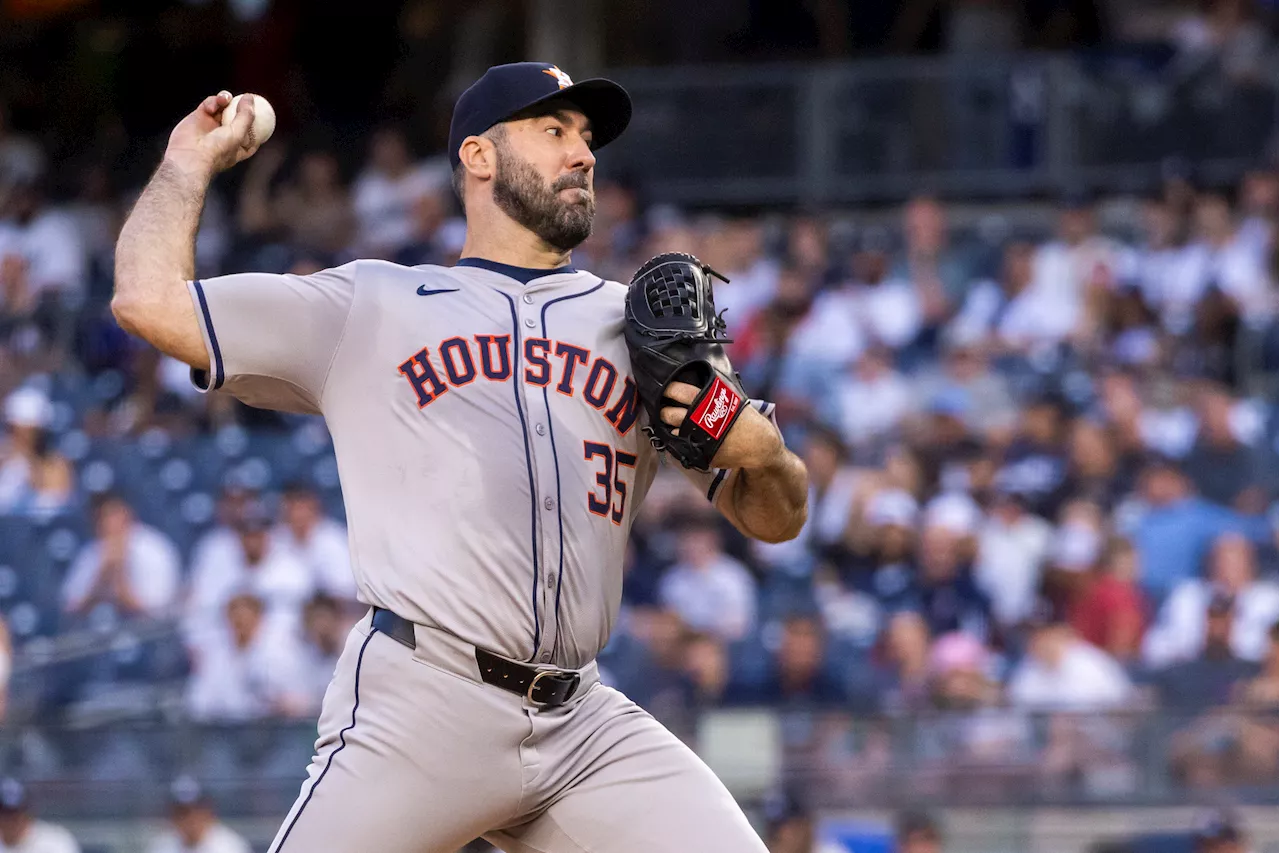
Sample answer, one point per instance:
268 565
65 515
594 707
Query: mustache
575 181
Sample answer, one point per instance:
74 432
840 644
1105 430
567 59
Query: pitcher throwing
493 446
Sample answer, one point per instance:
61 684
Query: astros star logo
561 77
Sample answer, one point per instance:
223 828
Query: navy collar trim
524 275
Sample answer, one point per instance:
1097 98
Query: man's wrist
772 458
192 170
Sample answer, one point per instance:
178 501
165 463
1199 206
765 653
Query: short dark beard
519 192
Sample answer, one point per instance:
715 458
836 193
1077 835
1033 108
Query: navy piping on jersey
552 435
218 375
516 384
342 743
524 275
715 484
763 406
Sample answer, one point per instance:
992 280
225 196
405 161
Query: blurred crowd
1042 444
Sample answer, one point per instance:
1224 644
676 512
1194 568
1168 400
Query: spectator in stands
256 565
657 676
195 825
1211 677
310 211
1258 752
315 540
1220 832
800 673
1231 582
904 663
244 672
324 633
789 826
885 539
1223 468
21 159
965 367
943 588
1035 464
927 260
1061 672
793 347
1263 690
977 744
1109 610
916 832
1176 528
1012 547
129 568
1075 272
1096 472
1076 551
870 401
1013 311
21 832
429 242
708 589
35 479
222 542
736 248
1256 233
52 254
385 192
892 310
706 662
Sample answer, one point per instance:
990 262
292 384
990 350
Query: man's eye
554 130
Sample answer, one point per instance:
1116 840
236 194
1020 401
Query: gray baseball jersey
487 431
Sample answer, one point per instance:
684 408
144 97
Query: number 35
610 480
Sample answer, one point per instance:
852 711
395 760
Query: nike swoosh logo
423 291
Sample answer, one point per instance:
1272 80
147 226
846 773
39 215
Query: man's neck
494 236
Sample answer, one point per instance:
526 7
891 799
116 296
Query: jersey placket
546 476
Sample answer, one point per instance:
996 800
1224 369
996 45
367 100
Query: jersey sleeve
272 338
710 482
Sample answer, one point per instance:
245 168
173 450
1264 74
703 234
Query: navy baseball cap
505 90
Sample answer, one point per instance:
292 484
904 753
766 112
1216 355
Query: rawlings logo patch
713 412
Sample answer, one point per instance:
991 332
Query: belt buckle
533 685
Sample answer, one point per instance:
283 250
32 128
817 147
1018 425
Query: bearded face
521 193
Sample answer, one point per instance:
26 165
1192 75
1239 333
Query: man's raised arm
155 254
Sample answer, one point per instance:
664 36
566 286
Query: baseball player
490 446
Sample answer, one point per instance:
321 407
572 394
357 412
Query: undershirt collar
524 275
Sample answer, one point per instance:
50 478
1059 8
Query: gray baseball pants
417 755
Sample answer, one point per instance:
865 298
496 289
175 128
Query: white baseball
264 117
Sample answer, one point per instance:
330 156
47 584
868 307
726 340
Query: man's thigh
411 759
630 786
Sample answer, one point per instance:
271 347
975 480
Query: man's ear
478 156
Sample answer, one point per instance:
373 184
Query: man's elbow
788 525
126 312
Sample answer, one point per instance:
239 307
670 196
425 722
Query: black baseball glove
674 334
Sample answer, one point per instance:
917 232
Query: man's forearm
155 256
770 503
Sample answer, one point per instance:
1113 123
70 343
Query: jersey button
545 657
528 300
528 322
549 504
540 429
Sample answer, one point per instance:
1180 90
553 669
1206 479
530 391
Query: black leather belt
546 688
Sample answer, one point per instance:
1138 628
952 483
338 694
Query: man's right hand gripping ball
201 145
